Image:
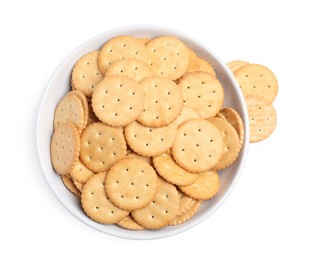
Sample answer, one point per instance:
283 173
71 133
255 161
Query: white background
265 217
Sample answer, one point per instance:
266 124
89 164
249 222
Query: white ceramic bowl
59 84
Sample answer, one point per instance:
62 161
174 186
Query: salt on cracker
131 184
149 141
117 100
101 147
168 57
132 68
257 80
162 210
231 143
70 109
163 102
96 204
262 118
203 92
86 74
198 145
64 147
204 188
119 48
168 169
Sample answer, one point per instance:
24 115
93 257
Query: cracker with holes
86 74
198 64
262 118
118 100
129 223
119 48
132 68
131 184
168 57
96 203
231 143
171 172
204 188
184 217
64 147
198 146
101 147
149 141
257 80
161 210
236 64
163 102
203 92
80 172
70 109
232 116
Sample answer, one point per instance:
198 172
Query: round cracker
78 185
198 64
257 80
232 116
96 204
131 184
203 92
129 223
148 141
185 203
134 69
80 172
231 143
236 64
262 118
101 147
186 114
119 48
70 109
186 215
163 102
198 145
204 188
117 100
85 105
162 210
64 147
86 74
69 184
169 57
140 157
171 172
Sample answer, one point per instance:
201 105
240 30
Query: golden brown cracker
162 210
117 100
96 204
198 145
236 64
204 188
187 215
69 184
203 92
131 184
168 57
80 172
64 147
257 80
101 147
186 114
86 74
163 102
129 223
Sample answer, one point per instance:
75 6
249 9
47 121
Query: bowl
59 85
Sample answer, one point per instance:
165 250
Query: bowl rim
189 225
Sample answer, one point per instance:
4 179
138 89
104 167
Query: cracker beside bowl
59 85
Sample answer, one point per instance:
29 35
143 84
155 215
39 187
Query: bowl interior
59 85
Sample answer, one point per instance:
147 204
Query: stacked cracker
141 137
260 87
